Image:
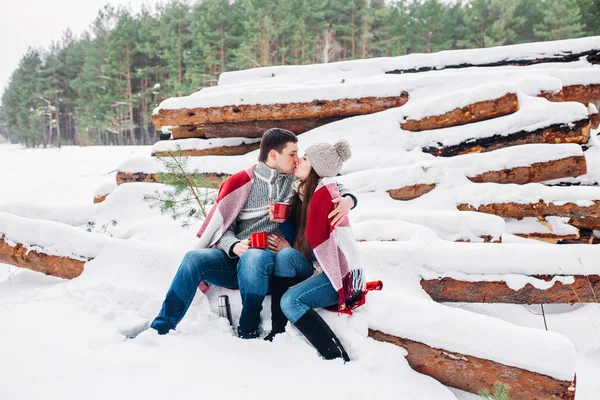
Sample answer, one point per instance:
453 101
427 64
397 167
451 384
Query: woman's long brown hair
299 212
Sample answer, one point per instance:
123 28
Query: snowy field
64 339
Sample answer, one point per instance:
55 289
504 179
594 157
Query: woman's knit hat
327 159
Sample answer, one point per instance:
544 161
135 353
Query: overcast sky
35 23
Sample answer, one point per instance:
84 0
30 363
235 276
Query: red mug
281 210
258 240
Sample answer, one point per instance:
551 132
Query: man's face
286 162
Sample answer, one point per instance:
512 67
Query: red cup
281 210
258 240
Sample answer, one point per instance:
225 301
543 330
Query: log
549 237
584 289
539 209
187 132
585 94
590 222
255 129
474 374
586 236
480 111
576 132
411 192
99 199
275 112
20 256
213 151
593 56
536 172
128 177
250 129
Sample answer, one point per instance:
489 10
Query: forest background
101 87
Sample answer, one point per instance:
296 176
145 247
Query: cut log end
99 199
411 192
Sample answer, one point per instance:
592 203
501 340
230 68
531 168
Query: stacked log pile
523 135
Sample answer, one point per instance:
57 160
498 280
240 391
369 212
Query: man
225 258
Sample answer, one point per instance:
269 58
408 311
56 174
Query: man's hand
341 211
271 217
240 247
276 243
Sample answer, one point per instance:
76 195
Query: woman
336 281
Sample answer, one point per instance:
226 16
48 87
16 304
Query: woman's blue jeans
250 273
315 292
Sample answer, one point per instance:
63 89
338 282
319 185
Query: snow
136 251
439 105
553 225
133 267
492 339
199 144
376 66
452 169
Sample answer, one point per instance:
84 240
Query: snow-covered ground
64 339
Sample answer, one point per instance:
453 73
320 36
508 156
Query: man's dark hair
275 139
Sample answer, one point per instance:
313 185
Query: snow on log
530 200
554 289
549 229
573 132
479 111
52 248
519 164
320 108
104 190
205 147
470 352
562 51
99 199
430 226
537 121
399 230
19 255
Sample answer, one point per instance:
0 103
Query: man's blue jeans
250 273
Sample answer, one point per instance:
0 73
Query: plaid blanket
335 248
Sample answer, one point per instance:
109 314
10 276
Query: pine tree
188 193
590 9
562 20
499 32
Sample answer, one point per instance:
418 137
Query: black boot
279 285
320 335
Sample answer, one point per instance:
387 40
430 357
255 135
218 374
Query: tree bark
474 374
282 111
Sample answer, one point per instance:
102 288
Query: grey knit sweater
268 186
